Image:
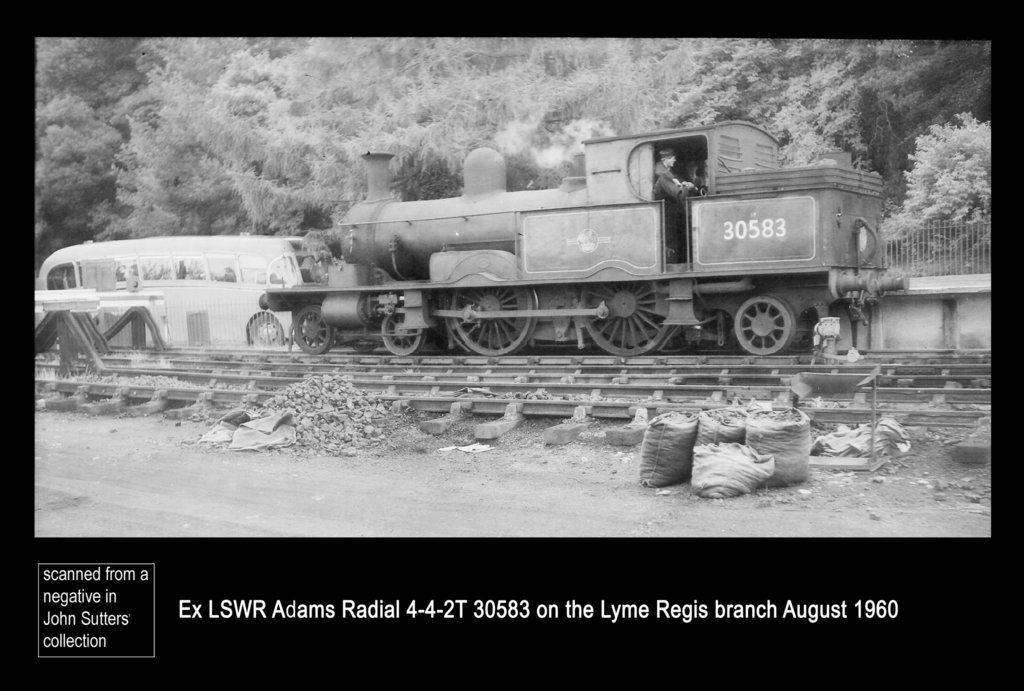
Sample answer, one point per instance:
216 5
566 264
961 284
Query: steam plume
549 148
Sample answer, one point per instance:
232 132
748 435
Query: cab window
61 277
691 153
282 272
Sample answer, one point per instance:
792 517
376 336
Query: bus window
156 268
222 268
61 277
124 268
189 268
254 269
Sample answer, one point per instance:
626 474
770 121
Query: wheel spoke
617 327
499 336
633 339
642 316
312 334
633 326
764 325
505 330
397 338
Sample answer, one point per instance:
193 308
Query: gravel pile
330 413
148 380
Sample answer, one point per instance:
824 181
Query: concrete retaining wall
936 313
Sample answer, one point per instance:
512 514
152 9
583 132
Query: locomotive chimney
378 176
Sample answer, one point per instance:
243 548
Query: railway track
949 388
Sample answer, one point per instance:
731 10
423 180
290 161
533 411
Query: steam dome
484 172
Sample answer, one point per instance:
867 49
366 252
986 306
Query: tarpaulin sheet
889 436
270 432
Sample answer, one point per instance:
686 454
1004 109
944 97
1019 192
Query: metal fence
942 249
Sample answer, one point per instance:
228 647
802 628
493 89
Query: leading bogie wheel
397 339
765 325
312 334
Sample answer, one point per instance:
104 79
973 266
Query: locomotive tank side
805 240
400 237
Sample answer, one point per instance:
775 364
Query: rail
913 389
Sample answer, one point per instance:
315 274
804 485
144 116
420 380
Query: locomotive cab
687 165
690 163
622 170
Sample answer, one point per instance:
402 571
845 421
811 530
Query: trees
81 86
911 86
951 177
169 182
220 135
74 171
431 102
949 186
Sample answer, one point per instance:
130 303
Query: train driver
669 186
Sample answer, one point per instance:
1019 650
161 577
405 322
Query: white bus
211 284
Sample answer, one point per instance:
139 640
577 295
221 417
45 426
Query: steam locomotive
754 262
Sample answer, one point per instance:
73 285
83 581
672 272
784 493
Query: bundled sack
786 435
729 470
722 426
666 455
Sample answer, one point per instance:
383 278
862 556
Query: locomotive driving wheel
312 334
633 325
765 325
397 338
499 336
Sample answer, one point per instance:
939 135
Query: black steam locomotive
752 263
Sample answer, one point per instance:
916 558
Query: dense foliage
223 135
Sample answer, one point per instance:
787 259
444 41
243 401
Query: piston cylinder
347 310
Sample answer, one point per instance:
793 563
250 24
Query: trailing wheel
492 336
312 334
264 330
634 322
765 325
397 339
